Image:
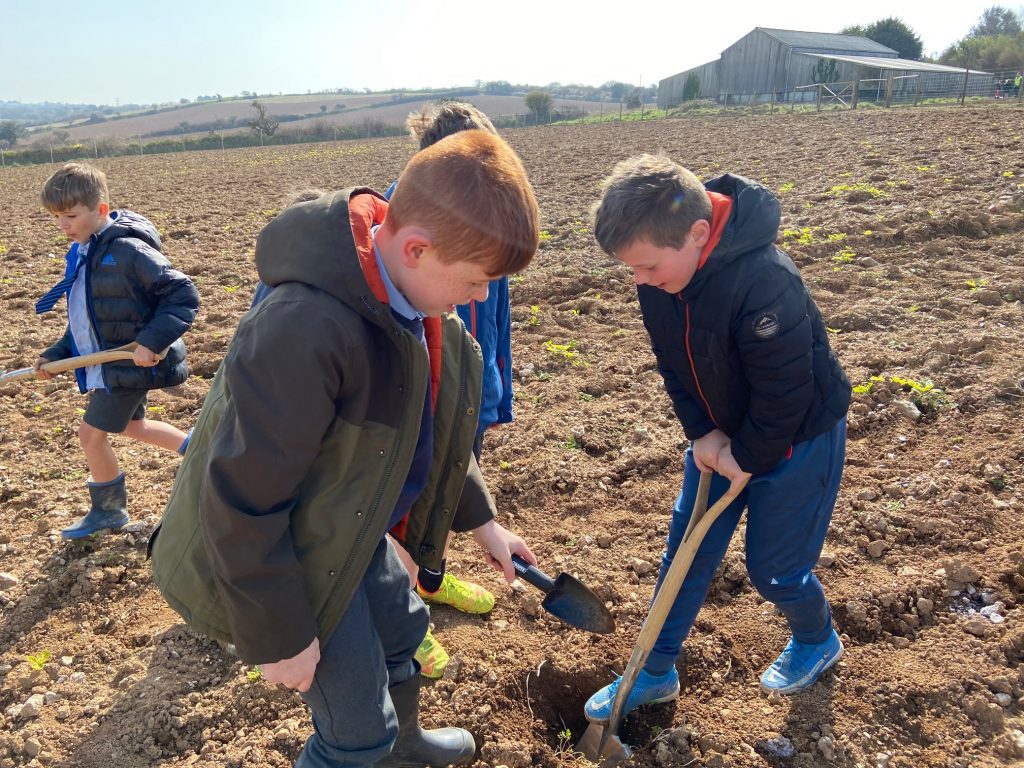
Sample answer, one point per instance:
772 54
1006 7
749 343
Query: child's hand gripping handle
532 574
126 352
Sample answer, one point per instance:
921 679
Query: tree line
995 42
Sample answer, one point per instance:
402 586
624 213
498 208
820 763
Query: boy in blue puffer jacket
120 289
490 323
762 399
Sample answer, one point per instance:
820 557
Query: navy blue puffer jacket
133 294
743 348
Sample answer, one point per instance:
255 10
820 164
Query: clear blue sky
146 52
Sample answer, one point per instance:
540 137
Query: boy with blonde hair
120 289
346 404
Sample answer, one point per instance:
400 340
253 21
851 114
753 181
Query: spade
567 598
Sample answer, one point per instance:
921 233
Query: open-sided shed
776 63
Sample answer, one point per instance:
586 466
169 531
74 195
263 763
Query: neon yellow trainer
432 656
460 595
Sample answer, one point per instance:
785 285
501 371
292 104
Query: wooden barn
778 64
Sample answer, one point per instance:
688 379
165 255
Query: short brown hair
649 198
75 184
435 121
470 192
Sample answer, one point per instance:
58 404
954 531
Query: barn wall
759 66
670 90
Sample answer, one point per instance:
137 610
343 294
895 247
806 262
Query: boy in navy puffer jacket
762 399
120 289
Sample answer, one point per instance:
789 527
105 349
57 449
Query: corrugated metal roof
829 40
902 65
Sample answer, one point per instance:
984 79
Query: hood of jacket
304 244
130 224
753 223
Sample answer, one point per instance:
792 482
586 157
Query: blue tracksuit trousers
788 513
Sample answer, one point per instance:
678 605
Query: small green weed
38 660
922 393
801 236
534 318
565 351
253 674
565 740
840 189
787 187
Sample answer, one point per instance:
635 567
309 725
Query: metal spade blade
568 598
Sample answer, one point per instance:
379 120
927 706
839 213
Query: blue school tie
52 296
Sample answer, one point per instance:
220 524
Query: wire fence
889 91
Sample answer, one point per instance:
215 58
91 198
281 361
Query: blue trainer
801 664
648 689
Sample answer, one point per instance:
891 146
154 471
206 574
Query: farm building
780 64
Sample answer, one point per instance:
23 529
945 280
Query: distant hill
52 112
300 111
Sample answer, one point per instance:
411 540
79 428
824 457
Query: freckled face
438 287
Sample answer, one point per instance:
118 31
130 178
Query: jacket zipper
459 417
693 367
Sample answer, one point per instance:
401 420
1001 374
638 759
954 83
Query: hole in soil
557 696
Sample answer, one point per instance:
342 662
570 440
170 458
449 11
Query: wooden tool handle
126 352
700 523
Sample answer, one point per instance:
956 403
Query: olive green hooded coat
306 437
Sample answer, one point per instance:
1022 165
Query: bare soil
907 225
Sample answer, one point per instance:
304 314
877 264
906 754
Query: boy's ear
415 242
104 209
701 232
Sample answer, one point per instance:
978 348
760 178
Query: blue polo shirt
411 319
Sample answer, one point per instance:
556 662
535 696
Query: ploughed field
907 225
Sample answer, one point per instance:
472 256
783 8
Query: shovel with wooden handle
126 352
600 743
